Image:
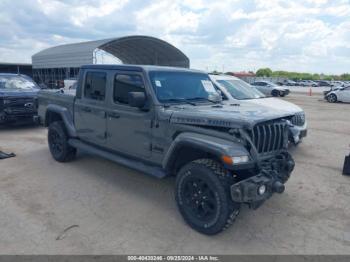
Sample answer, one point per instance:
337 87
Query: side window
125 83
95 85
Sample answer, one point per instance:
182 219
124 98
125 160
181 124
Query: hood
18 92
274 104
225 115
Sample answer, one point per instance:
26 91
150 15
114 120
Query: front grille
298 119
17 101
19 106
269 137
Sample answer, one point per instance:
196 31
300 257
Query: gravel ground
114 210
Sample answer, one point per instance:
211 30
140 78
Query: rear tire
60 150
332 98
203 196
275 93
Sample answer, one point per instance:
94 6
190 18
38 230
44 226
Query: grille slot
298 119
268 137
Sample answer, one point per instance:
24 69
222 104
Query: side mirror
216 97
137 99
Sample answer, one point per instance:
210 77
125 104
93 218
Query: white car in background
341 94
270 89
238 91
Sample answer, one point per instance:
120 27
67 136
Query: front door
128 128
89 111
346 94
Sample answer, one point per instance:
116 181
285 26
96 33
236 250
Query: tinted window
125 83
95 85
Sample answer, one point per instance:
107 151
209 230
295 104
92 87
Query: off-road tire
275 93
219 181
57 138
332 98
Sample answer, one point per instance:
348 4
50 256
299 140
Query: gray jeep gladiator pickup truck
170 122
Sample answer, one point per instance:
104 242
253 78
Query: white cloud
310 35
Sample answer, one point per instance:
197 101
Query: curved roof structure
143 50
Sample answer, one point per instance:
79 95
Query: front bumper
273 174
9 118
286 92
297 133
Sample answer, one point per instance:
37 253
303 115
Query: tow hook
278 187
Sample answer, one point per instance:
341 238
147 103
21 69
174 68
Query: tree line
267 72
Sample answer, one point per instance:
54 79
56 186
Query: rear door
128 128
90 113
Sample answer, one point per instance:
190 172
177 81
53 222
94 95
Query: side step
133 164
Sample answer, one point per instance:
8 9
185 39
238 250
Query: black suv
18 98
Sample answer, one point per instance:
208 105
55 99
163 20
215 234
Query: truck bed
55 97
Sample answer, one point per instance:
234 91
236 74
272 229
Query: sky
227 35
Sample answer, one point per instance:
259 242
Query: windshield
240 90
178 86
16 82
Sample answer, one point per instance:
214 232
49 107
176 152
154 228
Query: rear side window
95 85
125 83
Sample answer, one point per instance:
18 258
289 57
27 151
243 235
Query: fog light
261 189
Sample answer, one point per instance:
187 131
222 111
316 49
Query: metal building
62 62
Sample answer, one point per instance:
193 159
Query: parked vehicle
340 94
171 121
18 98
307 83
288 82
235 90
270 89
324 83
69 83
337 84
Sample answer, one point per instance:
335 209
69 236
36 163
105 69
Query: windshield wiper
203 98
181 100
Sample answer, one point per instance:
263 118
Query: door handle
113 115
86 109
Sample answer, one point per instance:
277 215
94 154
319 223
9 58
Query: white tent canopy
143 50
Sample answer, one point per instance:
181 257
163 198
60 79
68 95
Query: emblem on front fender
28 105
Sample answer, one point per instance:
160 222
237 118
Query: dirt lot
119 211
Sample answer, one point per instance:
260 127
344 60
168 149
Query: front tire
332 98
203 196
275 93
60 150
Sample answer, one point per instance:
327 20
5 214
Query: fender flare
209 144
66 116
